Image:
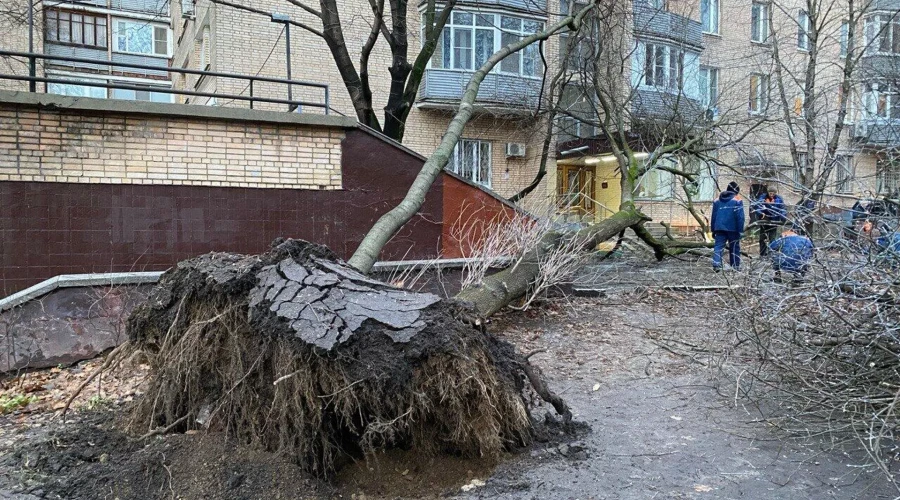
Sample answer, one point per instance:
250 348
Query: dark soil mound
91 459
295 352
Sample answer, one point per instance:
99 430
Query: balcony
444 87
876 133
101 55
660 105
158 7
668 26
888 5
879 66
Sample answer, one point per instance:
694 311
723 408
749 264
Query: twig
163 430
109 360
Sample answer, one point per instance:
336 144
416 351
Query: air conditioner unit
187 9
860 130
515 150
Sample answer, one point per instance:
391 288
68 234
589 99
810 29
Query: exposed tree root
294 352
112 358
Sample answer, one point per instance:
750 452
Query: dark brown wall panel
48 229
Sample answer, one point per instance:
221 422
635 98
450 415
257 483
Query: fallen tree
298 353
498 290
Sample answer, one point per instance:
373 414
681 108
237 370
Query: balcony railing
503 90
252 97
876 133
660 105
667 25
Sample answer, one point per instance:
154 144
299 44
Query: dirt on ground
641 368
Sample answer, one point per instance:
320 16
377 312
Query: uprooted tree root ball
298 353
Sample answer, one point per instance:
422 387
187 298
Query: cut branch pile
295 352
834 343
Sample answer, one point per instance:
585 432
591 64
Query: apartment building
92 46
745 64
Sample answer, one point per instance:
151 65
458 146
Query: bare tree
389 23
816 85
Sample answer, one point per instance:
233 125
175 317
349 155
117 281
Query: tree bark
499 289
388 225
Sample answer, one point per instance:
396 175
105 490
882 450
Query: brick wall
49 228
143 143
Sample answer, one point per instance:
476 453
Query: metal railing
251 80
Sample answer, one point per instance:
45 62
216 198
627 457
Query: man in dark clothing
771 213
727 223
791 253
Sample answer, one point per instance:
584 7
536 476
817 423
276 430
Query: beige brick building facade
53 140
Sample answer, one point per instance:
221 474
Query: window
709 16
472 160
663 67
140 38
802 160
576 114
881 100
469 39
709 87
76 90
141 95
656 184
883 34
657 4
803 29
527 61
887 177
575 188
75 28
843 168
759 22
759 93
704 189
845 38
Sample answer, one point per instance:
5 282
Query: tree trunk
387 226
499 289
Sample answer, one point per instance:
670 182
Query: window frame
765 9
153 38
886 184
659 172
71 22
876 35
709 92
881 102
843 173
844 38
670 82
803 158
81 82
448 36
455 163
761 91
710 23
804 26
